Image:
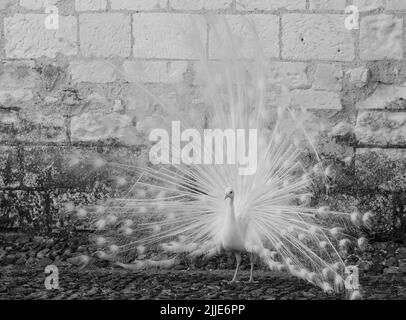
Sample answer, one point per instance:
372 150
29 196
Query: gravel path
100 283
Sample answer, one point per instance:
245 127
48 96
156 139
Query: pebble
383 264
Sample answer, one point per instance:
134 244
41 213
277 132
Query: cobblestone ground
118 284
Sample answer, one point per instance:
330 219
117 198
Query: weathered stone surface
51 75
343 131
155 71
5 3
105 35
252 5
72 169
10 164
358 77
37 41
395 5
13 97
388 72
200 4
379 203
381 37
8 117
19 208
31 120
267 27
385 96
41 129
328 77
95 126
90 5
311 99
137 4
292 74
37 4
316 36
327 4
18 75
159 35
381 169
92 71
39 212
368 5
381 128
98 101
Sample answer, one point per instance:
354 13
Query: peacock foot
233 281
229 281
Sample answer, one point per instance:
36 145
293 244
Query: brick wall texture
60 91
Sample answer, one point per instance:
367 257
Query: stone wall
60 92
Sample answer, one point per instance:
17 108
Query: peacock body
232 237
196 209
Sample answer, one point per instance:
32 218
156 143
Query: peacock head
229 193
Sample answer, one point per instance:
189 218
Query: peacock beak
226 196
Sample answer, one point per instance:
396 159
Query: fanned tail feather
180 209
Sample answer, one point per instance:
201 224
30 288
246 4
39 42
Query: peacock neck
230 210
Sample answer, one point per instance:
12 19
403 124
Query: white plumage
234 232
202 210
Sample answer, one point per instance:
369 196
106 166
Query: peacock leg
238 258
252 266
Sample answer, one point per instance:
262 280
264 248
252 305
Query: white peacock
203 210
